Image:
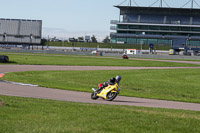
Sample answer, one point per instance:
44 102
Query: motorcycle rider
111 81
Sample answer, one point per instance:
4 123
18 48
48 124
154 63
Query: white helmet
118 78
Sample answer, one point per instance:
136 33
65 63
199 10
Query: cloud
65 34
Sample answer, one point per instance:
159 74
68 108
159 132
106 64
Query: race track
83 97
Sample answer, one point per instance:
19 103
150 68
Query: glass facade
191 43
155 27
159 30
144 41
167 42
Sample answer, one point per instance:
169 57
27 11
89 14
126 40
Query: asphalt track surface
83 97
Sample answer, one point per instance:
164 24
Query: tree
106 40
73 40
94 39
80 39
43 41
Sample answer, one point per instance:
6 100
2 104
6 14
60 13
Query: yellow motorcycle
108 93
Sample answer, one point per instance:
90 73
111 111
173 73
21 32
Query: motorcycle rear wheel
111 96
94 96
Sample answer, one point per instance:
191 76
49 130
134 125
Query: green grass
46 59
27 115
178 85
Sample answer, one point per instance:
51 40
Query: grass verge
26 115
179 84
46 59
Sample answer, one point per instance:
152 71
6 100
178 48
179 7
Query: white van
133 51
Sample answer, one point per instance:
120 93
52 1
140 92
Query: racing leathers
111 81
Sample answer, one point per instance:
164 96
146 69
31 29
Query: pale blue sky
68 18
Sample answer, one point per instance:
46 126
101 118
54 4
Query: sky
74 18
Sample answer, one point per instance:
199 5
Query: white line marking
15 83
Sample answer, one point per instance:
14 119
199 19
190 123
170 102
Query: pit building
176 27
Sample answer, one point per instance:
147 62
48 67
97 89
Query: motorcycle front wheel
94 96
111 96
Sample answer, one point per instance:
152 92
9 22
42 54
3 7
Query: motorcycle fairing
106 90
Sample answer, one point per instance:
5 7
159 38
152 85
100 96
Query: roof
8 19
159 10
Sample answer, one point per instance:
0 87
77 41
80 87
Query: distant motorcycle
109 93
124 56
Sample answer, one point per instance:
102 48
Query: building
20 31
176 27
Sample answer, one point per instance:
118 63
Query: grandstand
20 31
176 27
